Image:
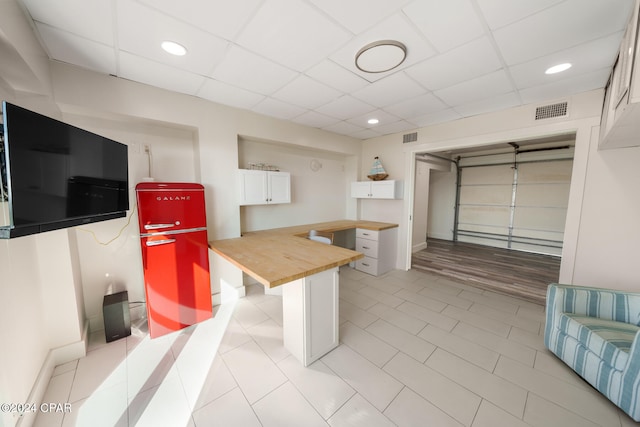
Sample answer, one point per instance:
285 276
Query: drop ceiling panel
500 13
394 127
489 105
163 76
554 31
344 128
282 110
72 49
359 15
204 49
565 87
90 19
389 91
466 62
436 117
345 107
292 33
224 93
332 74
475 90
446 24
306 92
247 70
220 17
316 120
417 106
597 54
382 116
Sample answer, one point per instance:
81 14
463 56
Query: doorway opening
496 215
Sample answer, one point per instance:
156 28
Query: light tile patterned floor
416 350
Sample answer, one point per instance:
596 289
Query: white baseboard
419 247
56 356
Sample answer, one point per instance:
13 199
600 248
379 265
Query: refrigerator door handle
157 226
159 242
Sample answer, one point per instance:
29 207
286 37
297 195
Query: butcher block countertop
281 255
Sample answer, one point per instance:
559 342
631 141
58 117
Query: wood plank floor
511 272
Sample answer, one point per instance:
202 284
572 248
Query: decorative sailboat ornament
377 172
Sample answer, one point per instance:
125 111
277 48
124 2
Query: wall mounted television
54 175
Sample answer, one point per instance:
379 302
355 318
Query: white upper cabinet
620 125
386 189
258 187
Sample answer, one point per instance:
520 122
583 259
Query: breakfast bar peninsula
307 271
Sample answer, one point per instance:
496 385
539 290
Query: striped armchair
595 332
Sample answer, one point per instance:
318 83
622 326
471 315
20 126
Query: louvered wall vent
410 137
552 110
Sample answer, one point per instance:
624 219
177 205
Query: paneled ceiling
294 59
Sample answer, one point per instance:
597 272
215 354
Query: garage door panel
539 218
485 215
500 174
545 172
550 195
486 195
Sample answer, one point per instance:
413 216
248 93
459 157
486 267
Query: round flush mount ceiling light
381 56
558 68
174 48
373 121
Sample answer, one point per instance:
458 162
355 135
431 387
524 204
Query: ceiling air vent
551 110
410 137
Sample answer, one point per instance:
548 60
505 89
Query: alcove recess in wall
319 183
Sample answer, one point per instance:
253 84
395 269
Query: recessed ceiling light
373 121
174 48
558 68
381 56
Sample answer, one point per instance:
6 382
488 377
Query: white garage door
519 203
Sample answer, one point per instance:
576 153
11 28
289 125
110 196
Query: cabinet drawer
368 265
367 247
366 234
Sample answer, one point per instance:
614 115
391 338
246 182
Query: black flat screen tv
54 175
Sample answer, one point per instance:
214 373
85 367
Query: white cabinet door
361 189
253 187
279 187
383 189
264 187
310 315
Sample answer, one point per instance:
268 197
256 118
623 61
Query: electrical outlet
147 148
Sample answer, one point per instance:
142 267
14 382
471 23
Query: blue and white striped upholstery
595 331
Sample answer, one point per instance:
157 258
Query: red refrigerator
175 259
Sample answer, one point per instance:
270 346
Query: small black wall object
117 320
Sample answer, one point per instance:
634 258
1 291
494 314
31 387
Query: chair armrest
609 304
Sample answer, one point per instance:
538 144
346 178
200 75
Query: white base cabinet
379 249
310 315
386 189
258 187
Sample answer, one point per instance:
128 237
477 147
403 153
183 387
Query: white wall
608 249
420 206
442 203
